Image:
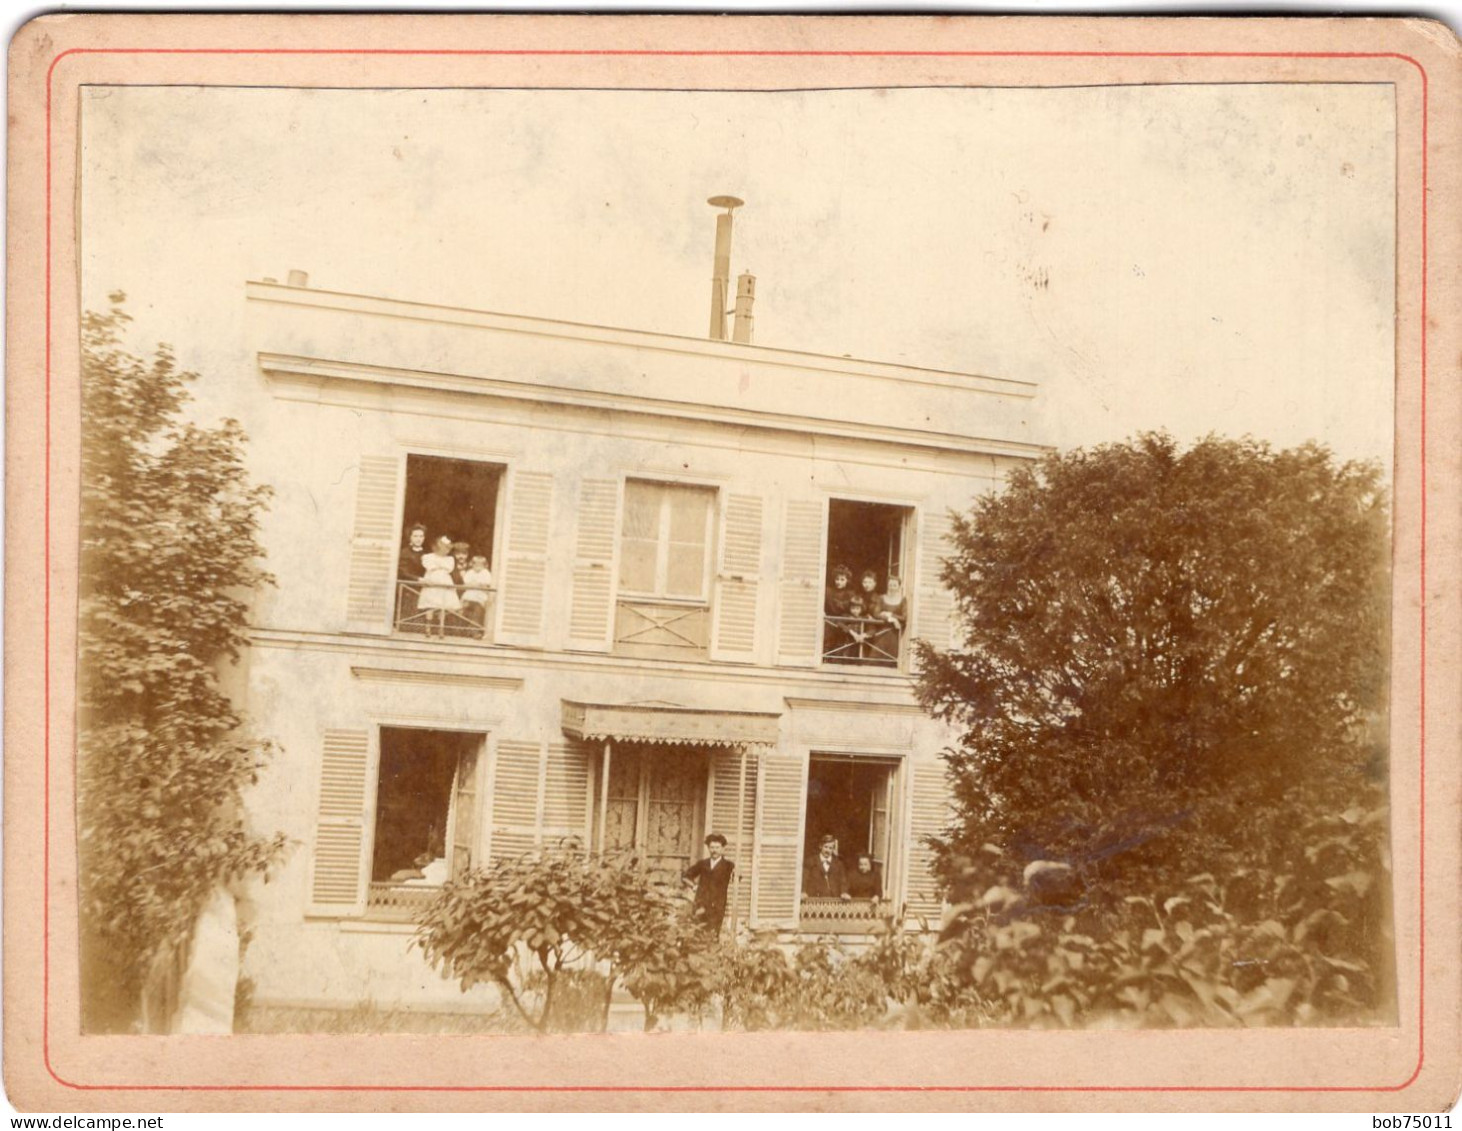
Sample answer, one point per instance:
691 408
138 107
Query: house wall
341 389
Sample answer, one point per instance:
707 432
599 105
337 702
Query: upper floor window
665 540
444 576
665 548
866 602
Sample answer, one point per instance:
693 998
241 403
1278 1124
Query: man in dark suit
712 878
825 876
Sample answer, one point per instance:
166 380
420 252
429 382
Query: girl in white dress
438 592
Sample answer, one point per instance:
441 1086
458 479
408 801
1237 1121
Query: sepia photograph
722 557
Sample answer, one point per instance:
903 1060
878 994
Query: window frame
909 565
373 802
663 542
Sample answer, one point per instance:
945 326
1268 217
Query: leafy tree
527 924
169 553
1172 659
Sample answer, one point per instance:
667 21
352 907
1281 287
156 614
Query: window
665 540
664 570
866 607
850 800
455 499
426 816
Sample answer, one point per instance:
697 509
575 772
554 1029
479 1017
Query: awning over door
654 723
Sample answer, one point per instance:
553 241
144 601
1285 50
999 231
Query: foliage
1296 941
528 923
169 553
1171 657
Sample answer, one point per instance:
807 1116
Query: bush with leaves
1298 939
531 923
169 555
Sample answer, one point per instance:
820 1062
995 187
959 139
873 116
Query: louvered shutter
778 852
369 591
929 813
517 790
732 813
591 603
521 591
338 871
566 785
733 626
464 814
933 611
799 635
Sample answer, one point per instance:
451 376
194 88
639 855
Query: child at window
438 591
476 580
460 554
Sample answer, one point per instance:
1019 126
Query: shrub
543 923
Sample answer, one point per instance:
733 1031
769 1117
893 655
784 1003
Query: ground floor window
426 814
654 808
847 847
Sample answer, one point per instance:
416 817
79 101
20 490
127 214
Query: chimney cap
725 202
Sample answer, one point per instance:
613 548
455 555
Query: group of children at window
862 624
443 590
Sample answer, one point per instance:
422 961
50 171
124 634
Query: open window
850 810
866 607
426 816
665 555
451 595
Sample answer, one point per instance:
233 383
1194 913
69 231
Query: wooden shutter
929 812
591 603
799 636
338 872
732 813
369 592
520 604
933 611
733 624
517 792
566 783
464 814
777 881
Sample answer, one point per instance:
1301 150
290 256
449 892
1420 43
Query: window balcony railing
420 609
860 640
662 629
842 916
403 902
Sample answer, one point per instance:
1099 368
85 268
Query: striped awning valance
653 723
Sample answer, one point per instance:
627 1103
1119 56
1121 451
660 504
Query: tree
169 555
525 923
1172 659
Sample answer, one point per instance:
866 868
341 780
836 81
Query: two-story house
656 655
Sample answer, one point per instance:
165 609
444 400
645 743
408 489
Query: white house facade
653 657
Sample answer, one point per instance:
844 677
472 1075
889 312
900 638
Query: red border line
900 1088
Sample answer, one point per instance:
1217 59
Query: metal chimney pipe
745 296
721 277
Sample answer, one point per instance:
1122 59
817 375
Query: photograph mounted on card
861 546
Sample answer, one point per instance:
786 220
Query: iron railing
860 640
465 623
405 902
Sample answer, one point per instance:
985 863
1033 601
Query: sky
1196 258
